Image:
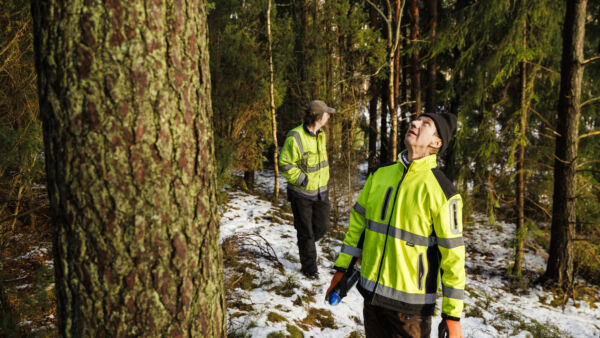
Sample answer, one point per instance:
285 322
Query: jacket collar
425 163
309 132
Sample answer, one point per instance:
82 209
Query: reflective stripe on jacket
412 223
304 157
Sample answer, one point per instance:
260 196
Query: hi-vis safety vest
305 156
407 229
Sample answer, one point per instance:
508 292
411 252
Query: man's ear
436 143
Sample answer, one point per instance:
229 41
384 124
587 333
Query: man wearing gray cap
303 162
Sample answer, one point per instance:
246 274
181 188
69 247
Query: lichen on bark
125 103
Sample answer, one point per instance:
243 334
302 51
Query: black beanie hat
445 124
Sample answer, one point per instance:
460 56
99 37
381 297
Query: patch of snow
36 251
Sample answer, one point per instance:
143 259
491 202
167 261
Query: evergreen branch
552 71
592 59
548 124
21 214
539 207
361 76
589 101
15 38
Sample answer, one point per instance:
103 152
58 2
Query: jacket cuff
305 182
445 316
337 268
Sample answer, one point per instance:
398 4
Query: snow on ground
281 302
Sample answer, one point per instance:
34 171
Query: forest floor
28 280
267 296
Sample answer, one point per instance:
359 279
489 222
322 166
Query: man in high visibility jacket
303 162
406 228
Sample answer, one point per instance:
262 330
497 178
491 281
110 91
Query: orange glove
336 279
449 329
454 330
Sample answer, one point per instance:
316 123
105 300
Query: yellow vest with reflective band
305 156
412 223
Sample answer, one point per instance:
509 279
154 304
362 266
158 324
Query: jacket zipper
387 232
386 202
421 270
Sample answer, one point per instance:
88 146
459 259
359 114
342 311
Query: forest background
495 64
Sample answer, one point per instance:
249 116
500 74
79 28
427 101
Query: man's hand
449 329
336 279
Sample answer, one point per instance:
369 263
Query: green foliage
240 82
20 129
20 147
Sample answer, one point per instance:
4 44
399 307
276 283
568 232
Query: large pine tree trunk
124 91
560 261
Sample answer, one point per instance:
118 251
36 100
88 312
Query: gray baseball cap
317 107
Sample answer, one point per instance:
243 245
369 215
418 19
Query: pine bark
124 89
560 261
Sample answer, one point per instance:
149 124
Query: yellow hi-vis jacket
406 228
303 162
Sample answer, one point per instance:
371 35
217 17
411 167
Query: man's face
422 134
324 119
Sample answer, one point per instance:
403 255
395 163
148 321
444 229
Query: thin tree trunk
301 17
397 73
124 89
272 105
374 91
415 63
393 41
404 109
521 229
383 130
560 261
431 93
373 126
249 179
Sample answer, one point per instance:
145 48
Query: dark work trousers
311 220
381 322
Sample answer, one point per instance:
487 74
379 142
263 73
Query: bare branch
592 59
592 133
380 11
590 101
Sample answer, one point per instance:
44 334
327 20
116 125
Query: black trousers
381 322
311 220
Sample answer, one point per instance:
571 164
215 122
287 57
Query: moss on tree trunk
125 102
